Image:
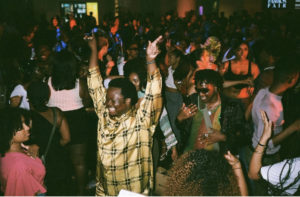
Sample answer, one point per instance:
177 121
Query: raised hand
152 49
232 160
91 41
187 112
267 126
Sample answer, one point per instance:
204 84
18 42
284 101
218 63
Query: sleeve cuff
93 72
155 75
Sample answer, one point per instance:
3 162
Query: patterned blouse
124 159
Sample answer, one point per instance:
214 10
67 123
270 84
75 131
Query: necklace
209 107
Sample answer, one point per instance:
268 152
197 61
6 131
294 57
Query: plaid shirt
124 158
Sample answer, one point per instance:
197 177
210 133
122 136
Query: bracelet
151 62
261 144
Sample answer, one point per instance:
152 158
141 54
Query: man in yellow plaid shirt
125 133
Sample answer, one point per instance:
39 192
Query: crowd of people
93 109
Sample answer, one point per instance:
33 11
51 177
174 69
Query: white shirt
272 105
275 174
20 91
66 100
170 80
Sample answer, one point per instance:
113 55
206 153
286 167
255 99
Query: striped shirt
124 159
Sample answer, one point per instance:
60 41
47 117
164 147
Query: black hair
128 90
238 43
177 53
38 94
27 70
10 123
64 70
285 69
210 76
182 69
136 65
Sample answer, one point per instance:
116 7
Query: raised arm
152 52
94 52
151 106
238 172
295 126
94 80
256 160
248 81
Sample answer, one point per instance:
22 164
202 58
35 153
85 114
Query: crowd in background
218 73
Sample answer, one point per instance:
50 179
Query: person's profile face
22 134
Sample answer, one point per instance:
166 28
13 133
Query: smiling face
23 134
116 103
206 91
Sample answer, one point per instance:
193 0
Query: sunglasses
202 90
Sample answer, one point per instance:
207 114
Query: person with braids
38 94
206 173
283 178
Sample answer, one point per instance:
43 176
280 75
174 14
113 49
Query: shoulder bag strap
52 132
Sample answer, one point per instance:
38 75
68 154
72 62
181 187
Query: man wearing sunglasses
209 120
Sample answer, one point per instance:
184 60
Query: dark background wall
49 8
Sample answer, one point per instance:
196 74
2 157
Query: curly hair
210 76
202 172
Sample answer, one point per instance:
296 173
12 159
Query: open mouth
112 110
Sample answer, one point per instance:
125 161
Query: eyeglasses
202 90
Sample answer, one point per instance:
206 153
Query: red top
21 175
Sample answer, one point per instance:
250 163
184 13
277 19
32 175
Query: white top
170 80
275 173
120 64
20 91
66 100
126 193
272 105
